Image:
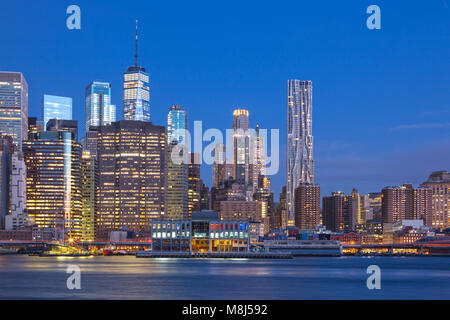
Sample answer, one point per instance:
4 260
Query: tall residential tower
241 146
300 161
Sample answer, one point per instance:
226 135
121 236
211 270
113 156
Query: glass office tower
14 107
99 110
53 162
136 92
241 146
56 107
177 125
177 173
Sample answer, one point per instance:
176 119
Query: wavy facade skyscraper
299 144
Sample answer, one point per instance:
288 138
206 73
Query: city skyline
209 151
353 147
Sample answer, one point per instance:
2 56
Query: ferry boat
317 248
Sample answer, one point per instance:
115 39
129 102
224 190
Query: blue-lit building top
136 94
176 125
56 107
99 110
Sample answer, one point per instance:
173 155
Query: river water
127 277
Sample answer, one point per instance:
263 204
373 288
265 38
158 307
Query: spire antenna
136 54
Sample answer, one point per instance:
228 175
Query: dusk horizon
225 159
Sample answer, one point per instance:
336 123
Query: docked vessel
318 248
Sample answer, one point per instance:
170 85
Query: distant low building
348 238
439 183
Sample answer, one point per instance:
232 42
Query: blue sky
381 97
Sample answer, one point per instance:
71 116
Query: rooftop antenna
136 54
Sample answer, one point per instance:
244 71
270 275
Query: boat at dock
311 248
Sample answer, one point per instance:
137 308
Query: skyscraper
6 151
18 217
195 184
53 161
35 126
307 206
205 197
176 125
14 107
136 91
56 107
99 110
257 158
89 184
57 125
177 171
132 176
279 217
177 205
300 161
338 212
263 194
241 146
221 170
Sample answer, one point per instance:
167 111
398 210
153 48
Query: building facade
53 165
257 158
221 169
14 107
99 110
177 205
439 183
18 216
6 153
405 202
177 125
89 193
132 176
241 147
338 212
56 107
35 126
307 206
300 159
195 184
57 125
241 210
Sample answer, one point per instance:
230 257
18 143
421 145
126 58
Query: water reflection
126 277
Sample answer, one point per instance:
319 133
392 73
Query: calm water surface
127 277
